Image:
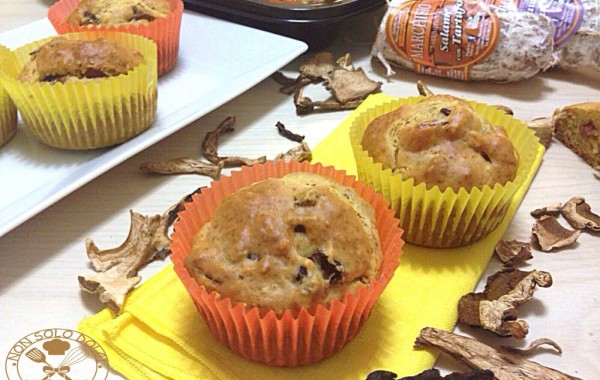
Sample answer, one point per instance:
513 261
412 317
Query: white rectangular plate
217 61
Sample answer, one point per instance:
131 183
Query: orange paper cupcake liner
292 338
163 31
8 110
87 114
443 219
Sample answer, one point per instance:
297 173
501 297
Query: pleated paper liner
164 31
443 219
8 110
292 338
89 113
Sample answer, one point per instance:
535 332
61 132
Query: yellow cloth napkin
160 335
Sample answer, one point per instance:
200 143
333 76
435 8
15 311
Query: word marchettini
56 353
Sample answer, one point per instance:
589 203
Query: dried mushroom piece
533 346
552 210
288 85
543 127
495 309
300 153
513 252
182 166
283 131
579 214
117 268
318 66
551 234
434 374
504 364
348 85
211 143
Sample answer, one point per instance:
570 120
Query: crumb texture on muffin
62 59
442 141
286 243
578 127
113 12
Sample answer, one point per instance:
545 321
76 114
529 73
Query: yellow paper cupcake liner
8 110
443 219
163 31
89 113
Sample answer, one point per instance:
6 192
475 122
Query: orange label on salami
443 37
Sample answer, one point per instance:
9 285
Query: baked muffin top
443 142
113 12
287 243
62 59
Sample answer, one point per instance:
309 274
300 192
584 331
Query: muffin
8 110
159 20
442 142
578 127
276 244
285 260
62 60
111 12
449 167
85 90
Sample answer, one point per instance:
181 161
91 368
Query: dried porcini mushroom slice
513 252
551 234
434 374
579 214
318 66
300 153
118 268
475 354
211 143
283 131
182 166
348 85
552 210
495 309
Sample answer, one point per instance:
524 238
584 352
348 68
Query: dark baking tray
315 24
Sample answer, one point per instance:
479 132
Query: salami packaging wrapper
163 31
8 110
292 338
88 113
442 219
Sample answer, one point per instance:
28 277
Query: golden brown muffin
63 59
287 243
442 141
578 127
113 12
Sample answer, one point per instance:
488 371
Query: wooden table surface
41 259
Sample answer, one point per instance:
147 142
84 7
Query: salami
465 40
